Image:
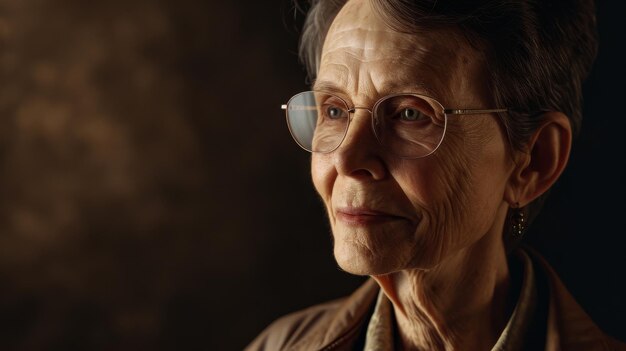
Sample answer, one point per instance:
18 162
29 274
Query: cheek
438 188
457 190
323 175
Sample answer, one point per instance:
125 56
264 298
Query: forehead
361 53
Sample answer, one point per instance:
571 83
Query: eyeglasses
408 125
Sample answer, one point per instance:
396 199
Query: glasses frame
352 110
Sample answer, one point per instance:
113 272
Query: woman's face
389 214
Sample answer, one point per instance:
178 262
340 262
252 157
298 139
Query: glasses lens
410 126
317 121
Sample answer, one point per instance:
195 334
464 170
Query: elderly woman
436 129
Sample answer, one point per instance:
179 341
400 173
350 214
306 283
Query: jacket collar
344 328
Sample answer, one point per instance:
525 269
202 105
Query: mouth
363 216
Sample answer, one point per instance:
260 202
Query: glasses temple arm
299 107
449 111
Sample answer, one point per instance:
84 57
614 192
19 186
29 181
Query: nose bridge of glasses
352 111
373 122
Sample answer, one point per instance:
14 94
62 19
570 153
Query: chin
360 260
378 257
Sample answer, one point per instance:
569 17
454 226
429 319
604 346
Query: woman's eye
411 114
334 112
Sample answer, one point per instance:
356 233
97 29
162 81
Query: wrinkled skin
428 230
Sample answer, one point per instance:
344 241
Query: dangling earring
518 221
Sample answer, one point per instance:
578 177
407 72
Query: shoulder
290 329
319 325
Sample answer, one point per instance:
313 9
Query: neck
462 304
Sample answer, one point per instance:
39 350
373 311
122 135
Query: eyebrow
387 88
326 86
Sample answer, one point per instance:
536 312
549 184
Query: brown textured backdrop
151 197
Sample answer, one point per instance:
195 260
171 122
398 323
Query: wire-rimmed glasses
408 125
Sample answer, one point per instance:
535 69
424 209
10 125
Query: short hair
537 52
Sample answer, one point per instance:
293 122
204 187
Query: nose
360 154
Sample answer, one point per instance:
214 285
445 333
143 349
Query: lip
361 216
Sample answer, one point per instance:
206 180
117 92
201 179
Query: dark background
151 196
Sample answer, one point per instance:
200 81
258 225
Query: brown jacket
559 324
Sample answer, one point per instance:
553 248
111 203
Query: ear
545 158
